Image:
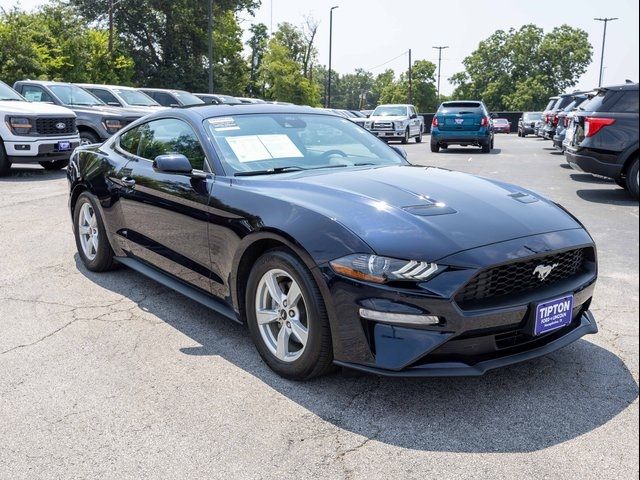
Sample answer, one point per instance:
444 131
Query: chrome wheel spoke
293 295
84 230
299 331
282 349
274 289
266 316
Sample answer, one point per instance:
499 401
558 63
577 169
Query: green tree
258 45
520 69
283 77
56 43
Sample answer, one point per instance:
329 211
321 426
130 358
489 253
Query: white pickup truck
396 122
34 132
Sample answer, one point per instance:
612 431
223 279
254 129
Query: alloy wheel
88 231
281 315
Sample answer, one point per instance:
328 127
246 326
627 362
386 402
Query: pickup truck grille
382 126
49 126
520 276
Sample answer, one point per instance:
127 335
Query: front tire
5 164
88 138
287 318
406 137
632 179
91 236
419 137
55 165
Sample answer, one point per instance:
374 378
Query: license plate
459 121
553 314
64 146
571 130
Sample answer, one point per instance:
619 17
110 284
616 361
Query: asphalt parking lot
113 376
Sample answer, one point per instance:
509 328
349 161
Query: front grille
49 126
521 277
383 126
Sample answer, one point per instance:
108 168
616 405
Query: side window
412 111
104 95
627 103
170 135
163 99
35 94
130 140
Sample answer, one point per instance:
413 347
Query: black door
166 213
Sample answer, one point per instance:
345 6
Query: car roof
100 85
623 86
43 82
172 90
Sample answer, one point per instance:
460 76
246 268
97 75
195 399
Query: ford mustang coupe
330 246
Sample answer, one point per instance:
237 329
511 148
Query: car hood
421 213
34 108
143 110
107 110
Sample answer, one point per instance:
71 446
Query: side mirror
172 163
400 151
174 105
413 116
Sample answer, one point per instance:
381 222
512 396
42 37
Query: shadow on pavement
522 408
613 196
32 174
470 150
566 166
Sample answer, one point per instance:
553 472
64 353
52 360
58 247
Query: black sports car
330 246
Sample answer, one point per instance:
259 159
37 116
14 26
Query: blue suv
462 123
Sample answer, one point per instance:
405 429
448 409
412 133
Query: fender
627 155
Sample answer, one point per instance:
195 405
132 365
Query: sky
368 33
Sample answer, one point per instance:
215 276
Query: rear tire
632 179
295 359
99 256
435 148
486 147
5 164
55 165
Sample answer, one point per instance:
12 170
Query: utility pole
110 27
604 37
439 65
410 80
330 45
210 34
271 17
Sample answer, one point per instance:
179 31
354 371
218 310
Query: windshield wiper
291 168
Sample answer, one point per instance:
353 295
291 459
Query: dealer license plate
553 314
64 146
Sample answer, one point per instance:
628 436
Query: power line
388 61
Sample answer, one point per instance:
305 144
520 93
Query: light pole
439 64
410 80
210 42
604 37
330 45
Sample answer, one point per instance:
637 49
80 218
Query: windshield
186 98
266 142
136 98
8 93
73 95
533 116
389 112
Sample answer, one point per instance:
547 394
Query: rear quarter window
602 102
627 102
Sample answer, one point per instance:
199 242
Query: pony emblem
543 271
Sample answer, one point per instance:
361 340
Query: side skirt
180 287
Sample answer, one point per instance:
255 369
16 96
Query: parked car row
597 131
46 120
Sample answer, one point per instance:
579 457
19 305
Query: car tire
444 146
55 165
87 138
93 245
308 359
5 164
406 137
632 179
486 147
419 137
435 148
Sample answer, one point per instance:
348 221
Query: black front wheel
5 164
633 180
55 165
406 137
287 318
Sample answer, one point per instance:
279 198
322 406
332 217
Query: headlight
373 268
367 125
400 125
112 125
19 125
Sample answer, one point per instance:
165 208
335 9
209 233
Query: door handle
128 182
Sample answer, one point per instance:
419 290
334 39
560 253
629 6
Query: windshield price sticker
222 124
254 148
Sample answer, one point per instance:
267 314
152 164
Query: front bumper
33 151
389 133
470 339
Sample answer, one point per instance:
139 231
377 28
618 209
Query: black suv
604 137
552 115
